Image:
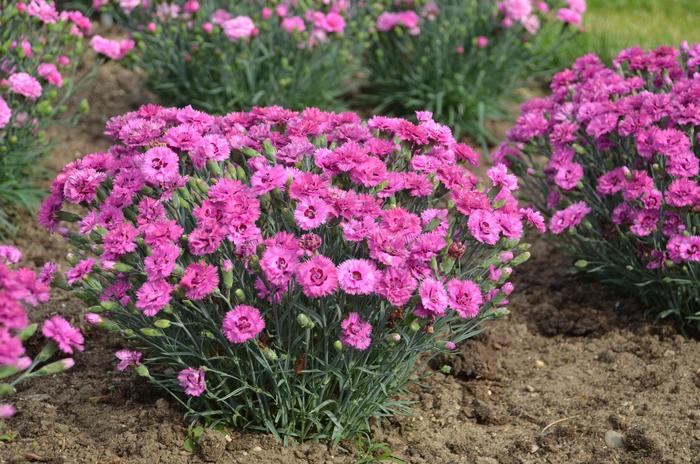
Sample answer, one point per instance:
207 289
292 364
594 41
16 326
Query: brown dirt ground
544 385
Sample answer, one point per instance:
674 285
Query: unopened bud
56 367
456 250
162 323
338 345
393 338
581 264
147 331
415 326
304 321
270 354
240 294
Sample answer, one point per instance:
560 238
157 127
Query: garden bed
572 363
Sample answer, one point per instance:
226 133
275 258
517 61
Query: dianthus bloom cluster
40 53
277 269
612 157
224 55
21 288
459 58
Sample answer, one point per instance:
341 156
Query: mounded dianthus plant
461 59
227 55
611 157
41 67
21 288
284 271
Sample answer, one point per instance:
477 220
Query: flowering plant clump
283 271
462 59
21 288
41 52
612 158
224 55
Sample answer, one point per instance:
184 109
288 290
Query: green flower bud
521 258
503 311
239 294
107 305
162 323
142 371
270 354
415 326
55 367
338 345
6 389
228 279
27 332
147 331
304 321
6 371
581 264
84 106
215 168
46 353
123 267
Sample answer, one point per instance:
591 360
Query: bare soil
574 362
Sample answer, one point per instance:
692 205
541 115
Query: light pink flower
355 332
66 336
242 323
318 277
128 358
357 276
25 85
192 380
199 280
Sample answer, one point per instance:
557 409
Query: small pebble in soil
539 364
257 449
614 439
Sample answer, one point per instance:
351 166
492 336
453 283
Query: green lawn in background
612 25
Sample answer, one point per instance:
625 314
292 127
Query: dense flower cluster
460 58
21 288
612 157
283 270
41 51
223 55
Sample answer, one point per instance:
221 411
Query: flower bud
228 278
162 323
93 318
581 264
270 354
27 332
142 371
6 389
84 106
521 258
456 250
338 345
147 331
304 321
122 267
240 294
415 326
393 338
55 367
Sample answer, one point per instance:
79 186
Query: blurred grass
612 25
